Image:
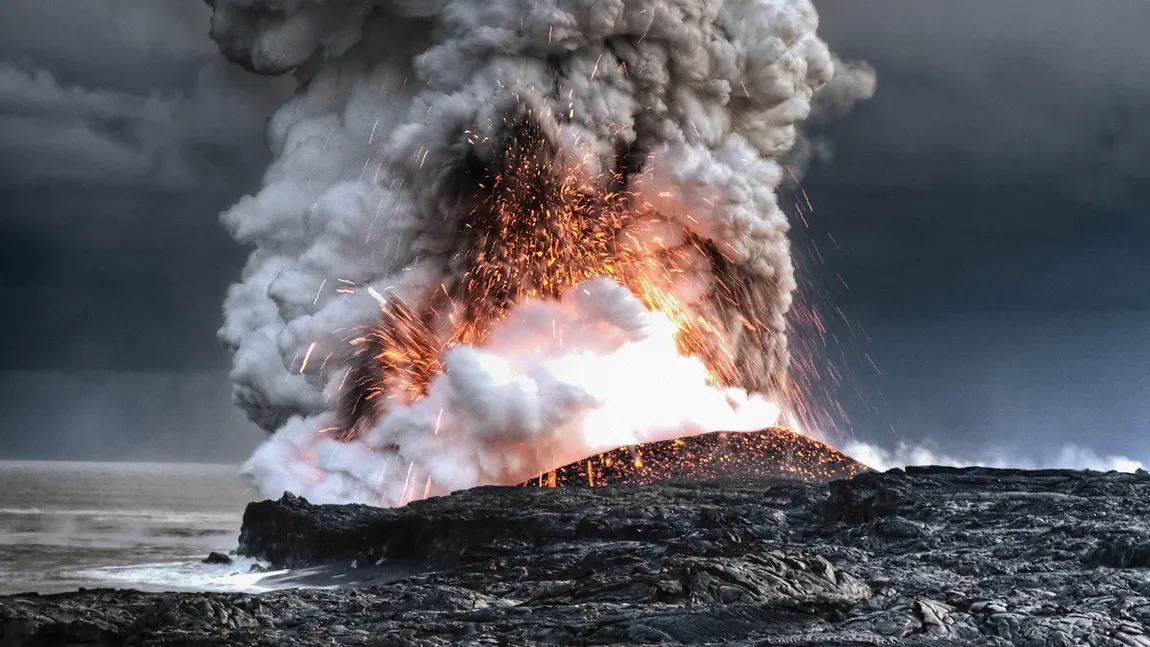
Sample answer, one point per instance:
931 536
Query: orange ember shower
538 225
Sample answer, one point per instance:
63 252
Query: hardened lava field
772 452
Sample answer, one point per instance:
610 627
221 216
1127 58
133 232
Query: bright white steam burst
710 93
556 382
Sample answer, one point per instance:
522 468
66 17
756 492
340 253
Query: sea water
66 525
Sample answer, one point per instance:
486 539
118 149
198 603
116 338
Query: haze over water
65 525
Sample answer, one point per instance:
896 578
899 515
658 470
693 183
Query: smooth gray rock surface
930 556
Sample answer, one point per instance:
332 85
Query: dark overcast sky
986 210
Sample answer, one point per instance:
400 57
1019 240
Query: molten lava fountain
503 236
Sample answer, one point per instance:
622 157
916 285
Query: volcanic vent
501 237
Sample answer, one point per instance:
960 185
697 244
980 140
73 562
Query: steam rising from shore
1071 457
684 108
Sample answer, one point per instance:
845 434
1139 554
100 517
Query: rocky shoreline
927 556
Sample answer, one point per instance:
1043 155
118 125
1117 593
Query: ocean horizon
66 525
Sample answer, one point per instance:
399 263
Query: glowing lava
773 452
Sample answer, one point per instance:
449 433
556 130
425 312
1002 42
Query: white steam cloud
1073 457
691 104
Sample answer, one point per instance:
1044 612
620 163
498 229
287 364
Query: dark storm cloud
114 280
1011 386
982 225
184 139
109 43
121 416
121 95
1002 163
994 93
123 134
920 254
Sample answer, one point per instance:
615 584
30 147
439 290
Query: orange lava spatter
774 452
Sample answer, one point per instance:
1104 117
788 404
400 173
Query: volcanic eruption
501 237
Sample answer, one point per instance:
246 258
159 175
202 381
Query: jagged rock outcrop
930 556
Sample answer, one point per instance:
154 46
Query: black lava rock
217 558
925 556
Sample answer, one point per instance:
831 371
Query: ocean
66 525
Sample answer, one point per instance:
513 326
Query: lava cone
774 452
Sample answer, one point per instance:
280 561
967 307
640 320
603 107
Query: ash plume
445 165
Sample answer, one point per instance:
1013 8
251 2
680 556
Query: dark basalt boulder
922 556
217 558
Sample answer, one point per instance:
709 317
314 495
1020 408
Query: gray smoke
693 105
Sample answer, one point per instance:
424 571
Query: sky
979 223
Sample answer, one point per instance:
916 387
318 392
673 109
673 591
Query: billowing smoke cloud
1073 457
417 128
